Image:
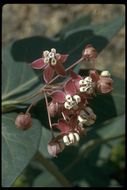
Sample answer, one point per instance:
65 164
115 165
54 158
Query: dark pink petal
59 68
63 58
94 75
63 126
58 96
73 121
38 64
77 84
48 74
75 76
70 87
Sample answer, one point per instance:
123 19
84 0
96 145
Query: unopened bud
104 85
53 109
23 121
89 52
55 148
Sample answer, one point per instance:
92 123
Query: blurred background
26 20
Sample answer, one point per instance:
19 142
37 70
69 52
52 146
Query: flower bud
23 121
53 109
104 85
55 148
105 74
89 52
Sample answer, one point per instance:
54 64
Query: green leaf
113 127
41 180
98 35
18 78
18 147
72 43
82 21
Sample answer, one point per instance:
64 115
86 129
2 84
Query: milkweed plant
56 112
69 99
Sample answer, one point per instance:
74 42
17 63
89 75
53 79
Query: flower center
71 138
86 85
51 56
72 102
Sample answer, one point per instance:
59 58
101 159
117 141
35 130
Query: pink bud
54 109
55 148
104 85
89 52
23 121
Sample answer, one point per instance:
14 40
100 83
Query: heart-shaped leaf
72 43
82 21
18 147
18 79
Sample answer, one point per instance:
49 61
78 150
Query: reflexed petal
63 126
70 87
73 121
38 64
63 58
94 75
60 70
75 76
48 74
58 96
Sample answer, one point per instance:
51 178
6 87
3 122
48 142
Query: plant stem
85 149
74 64
69 68
49 118
52 168
31 105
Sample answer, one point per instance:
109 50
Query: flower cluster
70 100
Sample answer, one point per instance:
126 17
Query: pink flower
85 86
89 53
68 98
70 130
67 126
55 147
23 121
51 62
104 84
54 108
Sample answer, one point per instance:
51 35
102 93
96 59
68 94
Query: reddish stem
49 118
69 68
